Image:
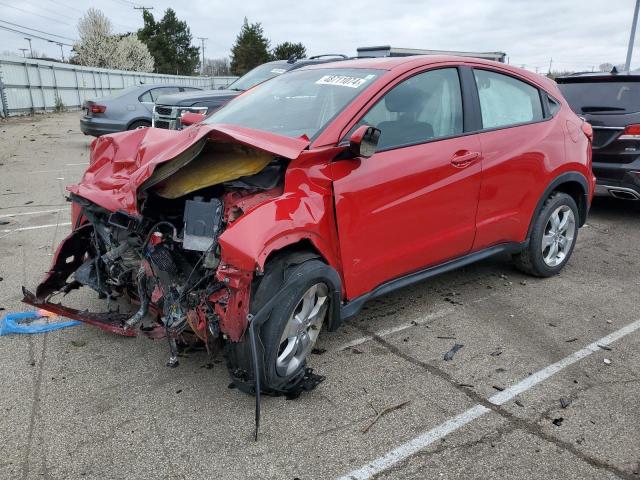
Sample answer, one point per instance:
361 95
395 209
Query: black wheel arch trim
567 177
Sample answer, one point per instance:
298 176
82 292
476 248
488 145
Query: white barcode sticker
343 81
278 70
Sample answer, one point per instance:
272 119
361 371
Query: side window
423 107
146 97
157 92
506 101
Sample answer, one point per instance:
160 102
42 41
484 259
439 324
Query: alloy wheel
559 235
302 329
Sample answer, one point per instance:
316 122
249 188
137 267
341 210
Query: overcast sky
577 34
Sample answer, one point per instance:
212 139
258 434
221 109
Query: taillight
631 132
95 108
588 130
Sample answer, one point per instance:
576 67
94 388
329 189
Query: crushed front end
161 253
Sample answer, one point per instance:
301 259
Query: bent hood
186 99
122 162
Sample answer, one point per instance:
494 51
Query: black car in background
610 102
169 108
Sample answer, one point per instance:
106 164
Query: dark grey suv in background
125 109
169 108
610 102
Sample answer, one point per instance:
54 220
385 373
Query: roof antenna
614 70
292 59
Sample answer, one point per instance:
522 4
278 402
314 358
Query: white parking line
32 213
35 227
388 331
74 164
422 441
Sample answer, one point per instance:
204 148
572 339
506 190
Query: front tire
288 336
552 239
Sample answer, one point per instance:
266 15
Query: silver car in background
125 109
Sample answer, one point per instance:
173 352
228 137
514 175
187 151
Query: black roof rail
315 57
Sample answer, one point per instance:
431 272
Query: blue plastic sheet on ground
16 323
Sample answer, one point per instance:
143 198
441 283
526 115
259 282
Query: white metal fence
29 85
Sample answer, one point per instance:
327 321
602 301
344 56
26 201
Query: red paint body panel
405 209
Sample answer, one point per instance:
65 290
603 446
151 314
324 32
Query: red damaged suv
285 211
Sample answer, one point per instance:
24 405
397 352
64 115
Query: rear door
413 203
519 142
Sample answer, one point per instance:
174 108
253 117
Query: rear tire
553 237
138 124
286 339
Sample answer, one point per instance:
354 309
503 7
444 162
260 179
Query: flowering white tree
97 42
132 54
99 47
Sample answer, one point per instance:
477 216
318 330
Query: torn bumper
107 321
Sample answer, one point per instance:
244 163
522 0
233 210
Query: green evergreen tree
250 50
286 50
169 42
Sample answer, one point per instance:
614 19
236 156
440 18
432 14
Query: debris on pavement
605 347
78 343
557 421
607 361
4 222
382 412
571 340
309 382
564 402
519 403
496 387
449 355
318 351
496 353
23 323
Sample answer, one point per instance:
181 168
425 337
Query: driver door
413 203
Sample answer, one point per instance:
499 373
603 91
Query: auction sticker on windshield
343 80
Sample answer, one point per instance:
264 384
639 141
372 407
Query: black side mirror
364 141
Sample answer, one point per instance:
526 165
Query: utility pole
30 49
202 40
60 45
632 37
550 64
24 52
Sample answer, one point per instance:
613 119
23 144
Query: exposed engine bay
167 259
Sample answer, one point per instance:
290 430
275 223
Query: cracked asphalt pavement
81 403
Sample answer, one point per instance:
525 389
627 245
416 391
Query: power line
32 35
53 12
39 31
34 13
66 6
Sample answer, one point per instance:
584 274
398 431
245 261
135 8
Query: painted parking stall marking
425 439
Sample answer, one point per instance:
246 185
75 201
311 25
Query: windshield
602 97
257 75
298 103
